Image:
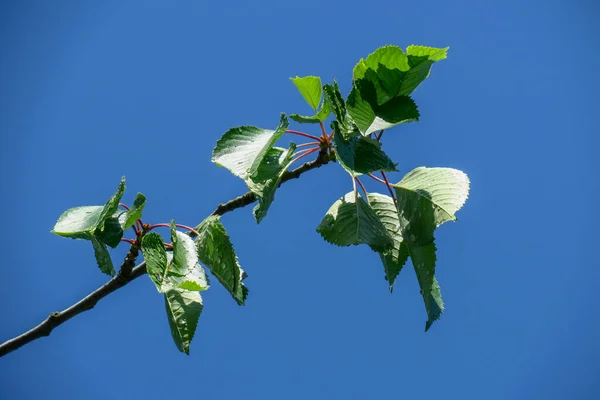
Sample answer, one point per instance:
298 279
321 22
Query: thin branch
304 153
188 228
308 135
308 144
123 278
376 178
387 183
362 187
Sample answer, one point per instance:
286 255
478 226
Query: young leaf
103 257
352 221
395 73
369 116
361 155
134 213
242 149
393 259
336 103
183 311
216 252
111 206
420 59
310 88
267 178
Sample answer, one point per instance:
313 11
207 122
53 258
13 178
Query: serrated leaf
103 257
303 119
361 155
193 278
423 260
78 222
267 178
352 221
99 221
310 88
321 115
395 258
184 250
183 312
242 149
447 189
369 116
134 213
394 73
177 269
343 124
216 252
389 56
111 206
426 198
154 252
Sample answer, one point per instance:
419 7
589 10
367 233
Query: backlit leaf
242 149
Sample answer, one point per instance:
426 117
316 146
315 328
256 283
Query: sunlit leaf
183 311
242 149
216 252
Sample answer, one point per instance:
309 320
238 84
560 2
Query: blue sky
90 91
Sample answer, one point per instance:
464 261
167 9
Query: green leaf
268 176
303 119
395 258
446 189
336 103
242 149
103 257
361 155
183 311
310 88
78 222
134 213
394 73
99 221
392 57
369 116
423 259
321 115
193 278
352 221
216 252
111 206
177 269
420 59
184 250
428 197
154 252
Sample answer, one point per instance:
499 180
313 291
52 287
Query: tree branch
127 273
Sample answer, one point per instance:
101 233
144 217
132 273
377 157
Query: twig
123 278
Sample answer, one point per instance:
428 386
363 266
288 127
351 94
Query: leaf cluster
397 227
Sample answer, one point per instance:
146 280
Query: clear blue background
90 91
